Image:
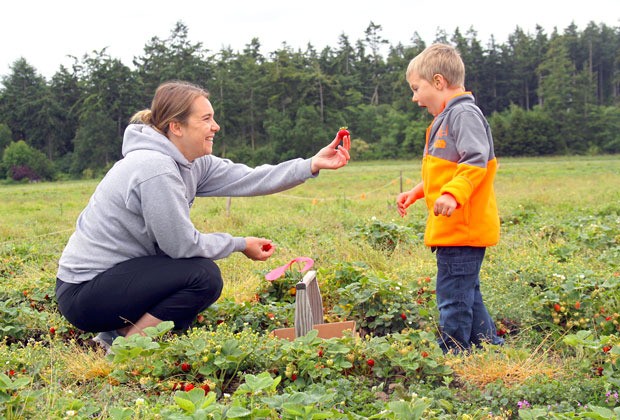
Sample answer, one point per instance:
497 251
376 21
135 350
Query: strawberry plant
576 303
253 315
383 236
310 359
378 304
10 324
16 399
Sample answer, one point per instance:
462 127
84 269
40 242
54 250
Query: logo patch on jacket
442 133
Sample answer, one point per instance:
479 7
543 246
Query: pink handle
279 272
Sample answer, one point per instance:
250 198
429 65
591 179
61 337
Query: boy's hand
404 200
445 205
407 198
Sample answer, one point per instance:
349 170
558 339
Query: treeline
544 94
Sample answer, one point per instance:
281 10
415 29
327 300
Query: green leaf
232 352
406 410
124 413
600 413
261 413
293 409
196 396
5 381
160 329
208 400
185 404
8 384
258 383
236 412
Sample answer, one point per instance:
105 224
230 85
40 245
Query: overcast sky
45 32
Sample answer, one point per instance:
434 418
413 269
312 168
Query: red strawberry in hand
266 247
342 133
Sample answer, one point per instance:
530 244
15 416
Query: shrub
22 161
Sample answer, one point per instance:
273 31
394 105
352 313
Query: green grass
560 220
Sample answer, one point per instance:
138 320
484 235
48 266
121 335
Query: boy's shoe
105 340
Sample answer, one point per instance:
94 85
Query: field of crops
552 286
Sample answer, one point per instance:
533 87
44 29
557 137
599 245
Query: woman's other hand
258 249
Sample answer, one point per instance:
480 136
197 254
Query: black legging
169 289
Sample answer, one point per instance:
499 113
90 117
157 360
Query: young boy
458 168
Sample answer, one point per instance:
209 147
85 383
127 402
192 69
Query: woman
135 258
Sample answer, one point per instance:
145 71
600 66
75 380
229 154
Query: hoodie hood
145 137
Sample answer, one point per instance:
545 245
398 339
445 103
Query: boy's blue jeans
463 319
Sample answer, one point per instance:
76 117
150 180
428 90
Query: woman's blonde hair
172 102
439 59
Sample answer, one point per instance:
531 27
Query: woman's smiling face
195 137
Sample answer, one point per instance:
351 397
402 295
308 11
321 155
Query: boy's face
426 94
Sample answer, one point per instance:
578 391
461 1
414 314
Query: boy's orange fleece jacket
459 159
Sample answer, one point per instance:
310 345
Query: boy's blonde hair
439 59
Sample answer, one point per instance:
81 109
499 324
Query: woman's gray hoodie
141 207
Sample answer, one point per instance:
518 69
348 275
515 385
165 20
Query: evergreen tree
559 94
174 58
21 102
